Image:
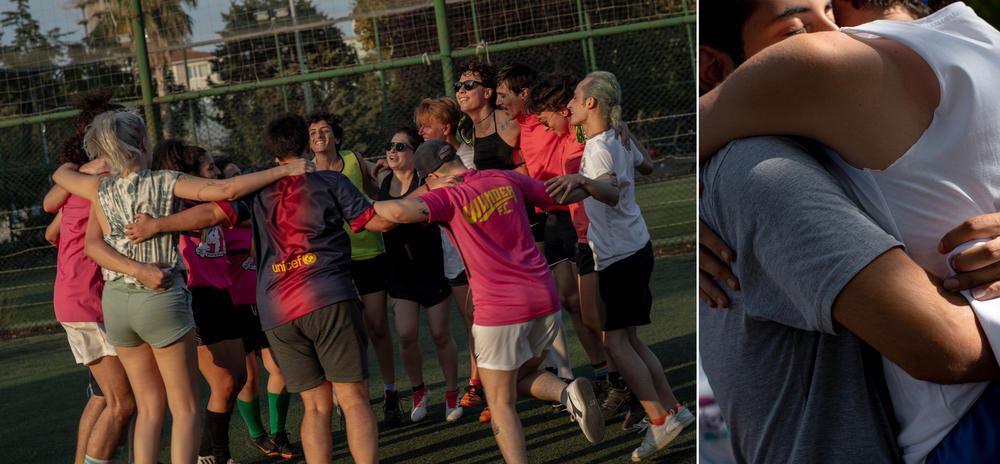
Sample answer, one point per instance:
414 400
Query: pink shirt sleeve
533 190
439 206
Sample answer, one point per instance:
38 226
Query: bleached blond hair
603 87
118 136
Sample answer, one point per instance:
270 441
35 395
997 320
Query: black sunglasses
397 146
469 84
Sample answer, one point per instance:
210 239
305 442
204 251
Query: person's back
486 216
302 250
778 339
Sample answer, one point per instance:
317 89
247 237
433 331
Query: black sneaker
635 415
263 444
392 415
285 448
614 401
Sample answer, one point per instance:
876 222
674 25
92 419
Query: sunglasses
469 84
397 146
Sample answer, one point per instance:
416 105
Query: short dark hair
517 76
720 24
915 7
331 120
286 135
174 155
551 93
487 75
415 138
90 103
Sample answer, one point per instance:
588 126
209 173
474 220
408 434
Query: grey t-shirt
792 384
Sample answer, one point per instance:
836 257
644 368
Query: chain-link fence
217 70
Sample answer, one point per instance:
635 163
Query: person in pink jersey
514 294
220 338
243 291
77 299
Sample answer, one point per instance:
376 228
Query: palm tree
166 24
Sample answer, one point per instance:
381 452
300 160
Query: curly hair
90 103
174 155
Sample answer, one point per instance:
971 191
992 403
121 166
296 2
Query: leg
660 383
407 316
178 366
377 323
116 417
635 371
224 366
463 299
362 432
91 412
570 297
317 443
447 353
558 356
501 388
251 388
150 399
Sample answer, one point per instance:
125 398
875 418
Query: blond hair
603 87
118 136
444 109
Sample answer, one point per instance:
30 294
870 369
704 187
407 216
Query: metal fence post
687 28
381 78
590 44
190 105
444 43
153 124
306 86
583 42
475 22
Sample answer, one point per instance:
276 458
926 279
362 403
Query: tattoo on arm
208 185
422 207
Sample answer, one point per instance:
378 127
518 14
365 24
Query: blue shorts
974 438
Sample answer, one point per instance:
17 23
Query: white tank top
949 175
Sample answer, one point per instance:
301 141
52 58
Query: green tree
250 54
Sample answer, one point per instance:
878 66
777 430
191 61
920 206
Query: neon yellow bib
364 244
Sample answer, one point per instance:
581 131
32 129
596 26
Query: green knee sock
278 404
250 410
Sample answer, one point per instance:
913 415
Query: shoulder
821 58
756 164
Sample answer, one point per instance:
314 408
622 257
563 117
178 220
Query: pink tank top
77 294
204 254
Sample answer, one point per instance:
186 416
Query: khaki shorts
508 347
88 340
135 315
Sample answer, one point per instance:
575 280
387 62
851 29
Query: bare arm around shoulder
81 185
571 188
869 100
901 311
54 199
405 211
200 189
150 274
198 217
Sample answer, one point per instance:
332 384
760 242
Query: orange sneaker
485 416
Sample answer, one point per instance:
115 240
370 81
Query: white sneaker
657 436
452 408
684 416
582 406
420 399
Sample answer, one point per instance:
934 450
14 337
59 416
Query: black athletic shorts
253 337
625 290
369 274
329 343
584 258
426 294
537 221
461 279
215 317
560 237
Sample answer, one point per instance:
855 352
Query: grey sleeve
794 229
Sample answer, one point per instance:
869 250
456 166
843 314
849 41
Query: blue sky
207 16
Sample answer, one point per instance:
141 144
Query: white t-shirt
946 177
466 153
615 232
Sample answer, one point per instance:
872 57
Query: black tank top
492 152
414 250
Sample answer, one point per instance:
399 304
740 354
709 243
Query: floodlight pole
153 124
444 43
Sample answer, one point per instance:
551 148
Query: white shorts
88 340
507 347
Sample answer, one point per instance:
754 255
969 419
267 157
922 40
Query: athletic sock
616 380
600 369
278 410
217 425
661 420
250 410
451 398
475 382
205 449
387 387
89 460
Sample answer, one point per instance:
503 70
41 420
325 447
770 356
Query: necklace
484 117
